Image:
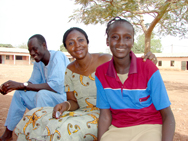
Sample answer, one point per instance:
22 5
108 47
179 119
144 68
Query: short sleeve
158 91
68 81
56 72
102 101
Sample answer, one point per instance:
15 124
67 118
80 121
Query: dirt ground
176 83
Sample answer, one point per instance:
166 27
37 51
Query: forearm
103 127
37 87
73 105
105 120
168 128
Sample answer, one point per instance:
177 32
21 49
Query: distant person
78 116
44 88
131 95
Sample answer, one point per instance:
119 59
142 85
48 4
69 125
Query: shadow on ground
174 86
180 137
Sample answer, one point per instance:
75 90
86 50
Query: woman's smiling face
120 39
76 44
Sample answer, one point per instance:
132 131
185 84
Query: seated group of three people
118 97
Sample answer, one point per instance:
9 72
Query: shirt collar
133 66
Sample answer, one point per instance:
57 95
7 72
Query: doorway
0 59
184 65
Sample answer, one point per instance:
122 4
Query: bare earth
176 83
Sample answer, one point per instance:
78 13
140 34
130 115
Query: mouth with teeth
120 49
35 57
79 51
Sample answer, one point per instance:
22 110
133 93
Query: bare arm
13 85
168 124
105 119
65 106
38 87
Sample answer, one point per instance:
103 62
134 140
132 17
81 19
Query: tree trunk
152 25
147 43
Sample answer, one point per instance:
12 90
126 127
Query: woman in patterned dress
78 119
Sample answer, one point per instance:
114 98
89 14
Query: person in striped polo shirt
131 95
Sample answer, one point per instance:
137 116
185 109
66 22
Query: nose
31 52
77 44
122 41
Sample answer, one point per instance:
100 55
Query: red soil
176 83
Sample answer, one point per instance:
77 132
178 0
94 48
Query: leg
45 98
20 101
144 132
153 132
7 135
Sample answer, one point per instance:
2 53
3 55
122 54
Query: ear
107 42
44 45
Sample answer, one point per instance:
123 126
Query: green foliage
139 45
6 45
173 21
167 17
63 49
23 45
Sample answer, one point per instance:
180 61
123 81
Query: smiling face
76 44
120 39
36 49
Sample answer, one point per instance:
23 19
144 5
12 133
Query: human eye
35 48
80 40
127 37
71 43
114 37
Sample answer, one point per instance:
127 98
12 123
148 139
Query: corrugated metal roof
167 55
171 54
18 50
21 50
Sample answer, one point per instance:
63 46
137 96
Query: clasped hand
9 86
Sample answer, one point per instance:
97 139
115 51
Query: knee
17 94
18 97
43 99
41 94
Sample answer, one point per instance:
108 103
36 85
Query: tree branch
159 16
111 2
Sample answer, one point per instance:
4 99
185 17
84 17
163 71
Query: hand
1 90
150 56
10 86
59 107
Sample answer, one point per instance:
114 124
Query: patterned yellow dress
79 125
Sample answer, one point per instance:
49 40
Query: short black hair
114 20
71 29
39 37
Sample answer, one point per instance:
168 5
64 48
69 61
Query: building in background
19 56
14 56
171 61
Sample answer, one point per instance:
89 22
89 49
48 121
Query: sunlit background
21 19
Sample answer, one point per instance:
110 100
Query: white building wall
178 65
167 65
